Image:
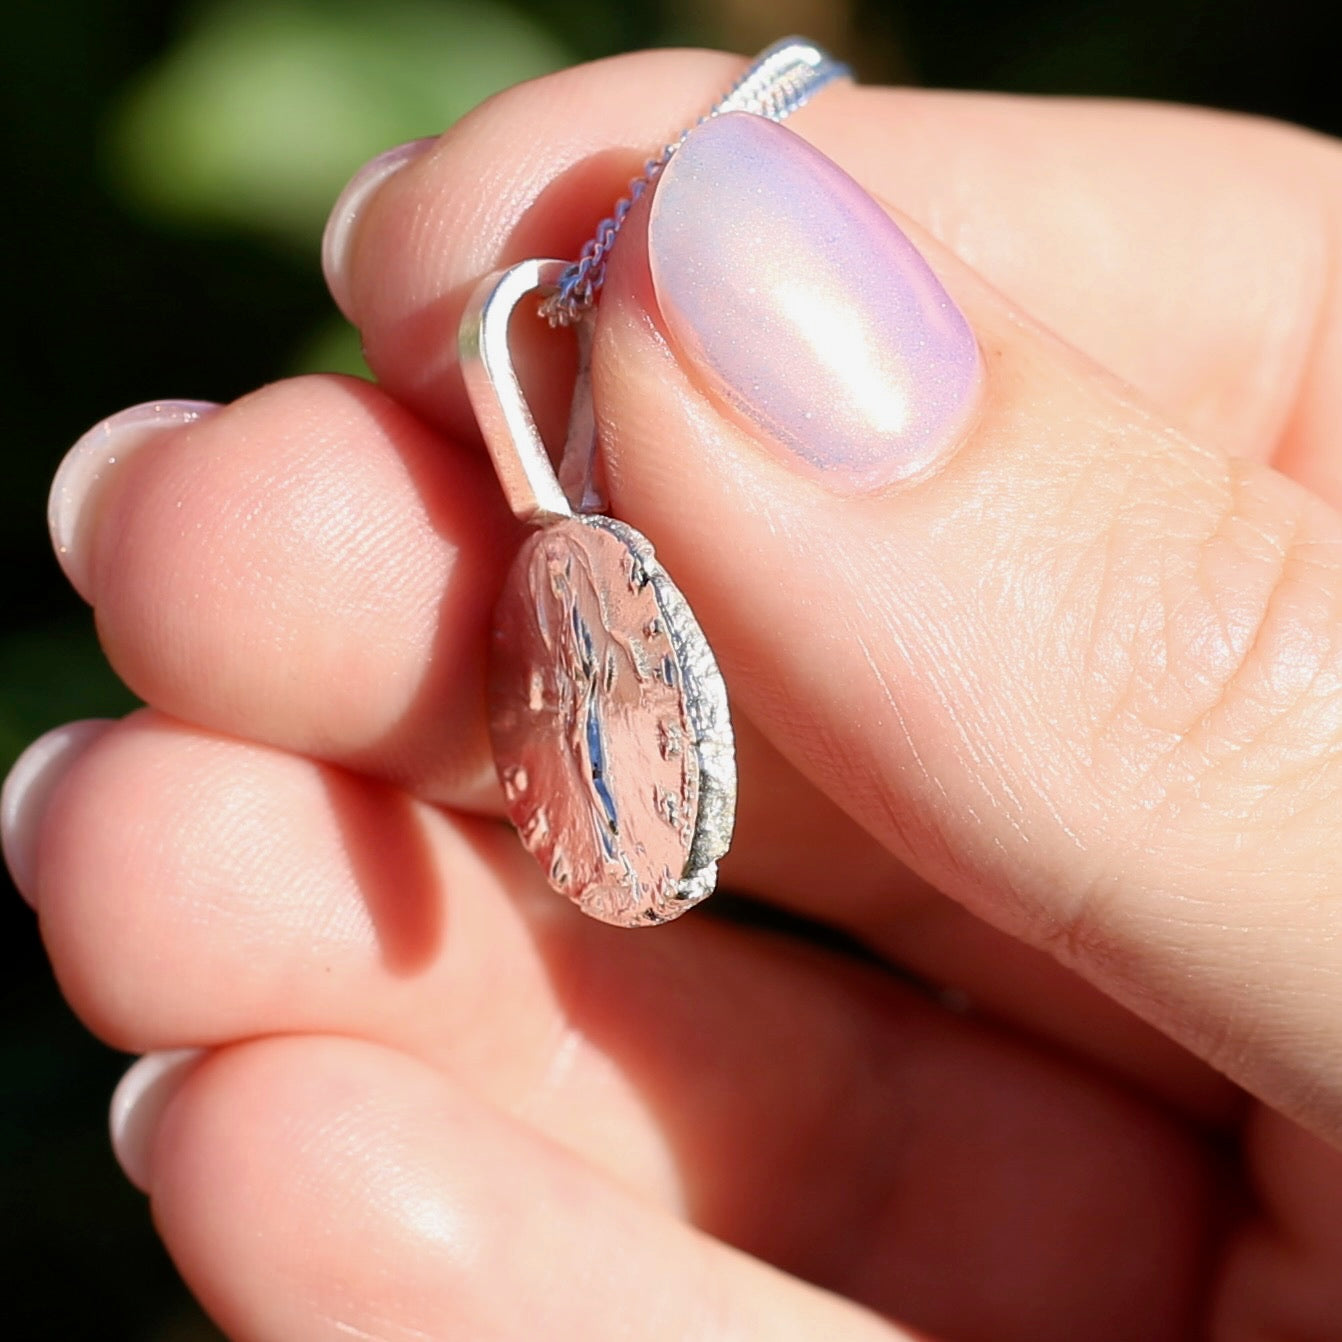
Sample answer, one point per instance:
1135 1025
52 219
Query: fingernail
344 217
27 790
806 309
82 478
138 1104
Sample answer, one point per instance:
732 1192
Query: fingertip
348 211
28 790
323 1187
526 174
81 480
138 1104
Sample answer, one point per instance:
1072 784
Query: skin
438 1103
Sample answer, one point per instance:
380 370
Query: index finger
1187 251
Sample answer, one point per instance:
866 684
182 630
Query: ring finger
195 890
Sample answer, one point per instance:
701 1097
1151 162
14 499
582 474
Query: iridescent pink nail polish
806 308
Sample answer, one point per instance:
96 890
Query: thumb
1075 670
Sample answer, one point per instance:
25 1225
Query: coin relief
609 724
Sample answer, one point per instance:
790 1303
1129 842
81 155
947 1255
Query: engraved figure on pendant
598 722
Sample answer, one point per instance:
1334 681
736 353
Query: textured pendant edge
709 712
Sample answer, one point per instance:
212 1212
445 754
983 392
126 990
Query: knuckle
1228 706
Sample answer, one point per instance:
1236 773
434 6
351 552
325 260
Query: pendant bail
520 460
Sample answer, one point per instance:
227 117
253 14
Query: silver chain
780 80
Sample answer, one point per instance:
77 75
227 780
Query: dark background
169 166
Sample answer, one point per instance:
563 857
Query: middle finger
313 568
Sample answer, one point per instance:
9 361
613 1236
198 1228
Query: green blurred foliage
258 114
169 166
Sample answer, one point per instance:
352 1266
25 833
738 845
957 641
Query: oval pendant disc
609 724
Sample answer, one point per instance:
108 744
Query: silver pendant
608 716
607 713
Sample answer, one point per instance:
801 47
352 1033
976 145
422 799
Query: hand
1037 700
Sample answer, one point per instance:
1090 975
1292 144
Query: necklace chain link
779 81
